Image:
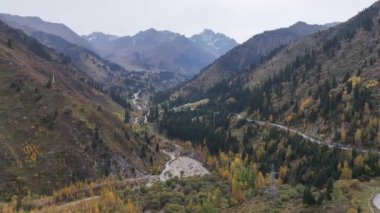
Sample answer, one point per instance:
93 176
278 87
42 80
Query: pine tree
329 189
308 197
10 43
127 117
334 83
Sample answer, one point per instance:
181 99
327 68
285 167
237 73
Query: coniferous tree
10 43
308 197
329 189
127 117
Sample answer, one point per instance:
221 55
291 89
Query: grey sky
239 19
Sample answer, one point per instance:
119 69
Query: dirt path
177 166
309 138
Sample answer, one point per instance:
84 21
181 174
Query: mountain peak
208 31
300 23
99 36
151 30
218 42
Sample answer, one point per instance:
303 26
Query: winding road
309 138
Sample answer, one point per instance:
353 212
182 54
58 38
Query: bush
174 208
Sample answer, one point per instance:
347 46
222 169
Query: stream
177 166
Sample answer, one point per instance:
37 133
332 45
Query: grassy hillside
55 133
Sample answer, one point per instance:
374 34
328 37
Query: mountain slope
56 37
56 132
96 68
326 85
309 113
33 24
251 53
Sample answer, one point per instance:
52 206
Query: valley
161 121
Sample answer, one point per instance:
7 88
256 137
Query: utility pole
52 78
272 193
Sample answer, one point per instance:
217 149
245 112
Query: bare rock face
116 165
120 167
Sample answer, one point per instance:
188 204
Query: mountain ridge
249 54
137 51
32 23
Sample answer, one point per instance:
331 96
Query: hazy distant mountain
162 50
216 43
33 24
99 39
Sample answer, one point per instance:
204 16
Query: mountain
56 127
99 40
103 73
216 43
96 68
308 116
325 84
154 50
33 24
251 53
100 37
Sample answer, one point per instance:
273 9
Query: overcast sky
239 19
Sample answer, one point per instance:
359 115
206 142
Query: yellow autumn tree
305 103
236 165
282 173
351 210
346 172
260 180
366 113
223 172
224 160
358 137
237 193
130 207
289 152
11 206
260 152
187 146
343 134
359 161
